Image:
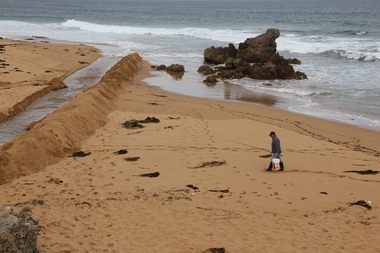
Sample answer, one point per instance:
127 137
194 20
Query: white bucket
276 164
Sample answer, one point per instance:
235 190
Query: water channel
77 82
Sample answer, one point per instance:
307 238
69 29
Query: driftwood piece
223 191
132 159
132 124
209 164
363 172
215 250
154 174
192 187
120 152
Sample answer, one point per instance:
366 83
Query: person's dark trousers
281 166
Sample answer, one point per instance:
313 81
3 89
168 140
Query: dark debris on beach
120 152
209 164
137 123
80 154
361 203
363 172
154 174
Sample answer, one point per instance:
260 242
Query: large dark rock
176 68
276 68
231 74
240 63
18 232
229 63
218 55
260 48
262 51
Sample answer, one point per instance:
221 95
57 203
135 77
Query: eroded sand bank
30 70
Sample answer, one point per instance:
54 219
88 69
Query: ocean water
337 41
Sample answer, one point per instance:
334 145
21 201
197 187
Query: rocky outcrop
18 232
261 51
260 48
218 55
276 68
62 132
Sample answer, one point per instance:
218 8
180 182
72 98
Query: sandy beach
31 69
193 181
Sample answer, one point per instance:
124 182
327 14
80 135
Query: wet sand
208 187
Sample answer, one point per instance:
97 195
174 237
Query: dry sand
212 190
27 70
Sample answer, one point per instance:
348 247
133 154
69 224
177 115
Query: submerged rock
159 67
206 70
211 80
176 68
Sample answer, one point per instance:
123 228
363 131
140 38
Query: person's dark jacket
276 147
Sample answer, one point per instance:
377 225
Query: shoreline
245 95
190 83
319 128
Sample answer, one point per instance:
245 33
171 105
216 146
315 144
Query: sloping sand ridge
62 132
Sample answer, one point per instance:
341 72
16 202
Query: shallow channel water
77 82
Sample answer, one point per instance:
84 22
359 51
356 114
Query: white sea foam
342 67
231 36
316 110
357 49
